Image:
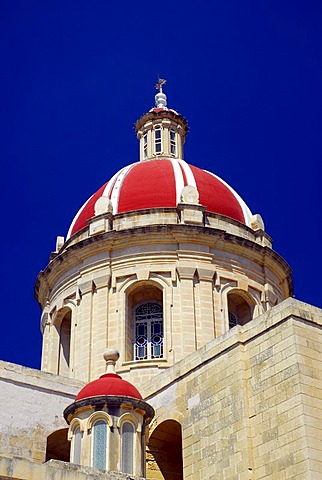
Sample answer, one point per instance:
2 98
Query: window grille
232 319
148 331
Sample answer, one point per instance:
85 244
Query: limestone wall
32 404
249 402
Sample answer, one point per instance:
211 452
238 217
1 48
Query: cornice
106 242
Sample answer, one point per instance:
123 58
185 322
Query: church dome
161 178
160 260
109 384
158 183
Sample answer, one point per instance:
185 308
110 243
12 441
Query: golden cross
161 82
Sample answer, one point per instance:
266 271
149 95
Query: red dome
109 384
159 183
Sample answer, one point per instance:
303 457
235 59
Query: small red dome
158 184
109 384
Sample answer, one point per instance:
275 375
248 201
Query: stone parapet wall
249 402
32 408
164 216
16 468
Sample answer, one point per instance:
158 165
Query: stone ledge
17 468
45 381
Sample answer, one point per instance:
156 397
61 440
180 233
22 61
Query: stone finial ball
111 354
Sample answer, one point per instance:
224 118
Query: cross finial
159 85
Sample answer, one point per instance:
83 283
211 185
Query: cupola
161 131
108 422
161 179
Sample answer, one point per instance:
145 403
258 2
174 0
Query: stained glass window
77 446
99 444
127 450
148 331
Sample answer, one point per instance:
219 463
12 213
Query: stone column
83 338
99 322
186 335
205 327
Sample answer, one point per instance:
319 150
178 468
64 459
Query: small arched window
77 443
148 334
64 344
240 308
127 447
158 139
99 444
173 143
145 145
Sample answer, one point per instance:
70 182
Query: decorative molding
186 273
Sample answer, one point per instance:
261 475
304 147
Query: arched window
173 143
64 344
158 139
240 308
148 331
145 145
76 446
99 444
139 328
127 447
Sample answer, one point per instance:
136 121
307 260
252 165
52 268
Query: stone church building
172 346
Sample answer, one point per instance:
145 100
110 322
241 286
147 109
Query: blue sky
76 75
